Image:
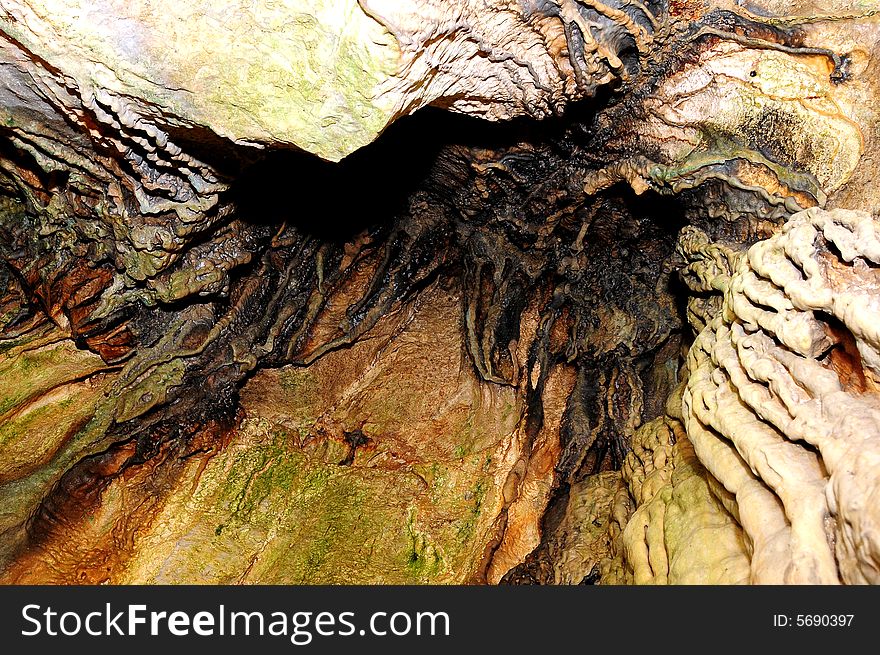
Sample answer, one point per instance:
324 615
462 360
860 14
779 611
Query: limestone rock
295 72
326 76
781 403
680 533
455 356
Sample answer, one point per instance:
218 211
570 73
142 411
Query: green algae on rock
300 72
224 360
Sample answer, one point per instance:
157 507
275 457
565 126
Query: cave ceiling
509 291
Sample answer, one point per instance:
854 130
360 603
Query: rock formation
613 325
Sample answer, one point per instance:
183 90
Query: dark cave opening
605 257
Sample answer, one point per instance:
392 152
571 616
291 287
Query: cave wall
629 344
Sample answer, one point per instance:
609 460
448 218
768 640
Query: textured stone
253 72
223 360
325 76
781 403
679 533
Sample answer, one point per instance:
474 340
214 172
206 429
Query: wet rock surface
630 344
